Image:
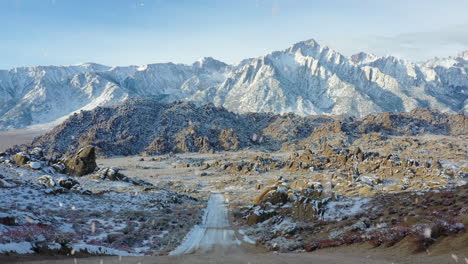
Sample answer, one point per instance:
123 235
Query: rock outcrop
84 162
21 158
151 127
305 199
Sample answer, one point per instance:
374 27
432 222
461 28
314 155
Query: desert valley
152 131
100 184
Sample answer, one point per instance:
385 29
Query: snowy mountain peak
363 58
209 63
306 47
305 79
309 42
311 49
91 66
463 55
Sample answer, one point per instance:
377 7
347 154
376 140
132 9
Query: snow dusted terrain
112 217
305 78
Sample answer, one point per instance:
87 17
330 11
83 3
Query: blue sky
124 32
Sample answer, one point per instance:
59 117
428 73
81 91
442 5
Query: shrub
349 239
420 242
322 243
29 232
396 235
388 237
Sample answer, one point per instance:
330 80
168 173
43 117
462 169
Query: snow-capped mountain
306 79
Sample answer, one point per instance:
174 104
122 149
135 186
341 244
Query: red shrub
322 243
29 231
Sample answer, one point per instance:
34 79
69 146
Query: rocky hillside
146 125
305 79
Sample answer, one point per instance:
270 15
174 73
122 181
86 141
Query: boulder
56 190
21 158
84 162
370 180
110 174
273 195
259 216
314 192
113 174
35 165
60 168
67 182
305 208
47 181
37 153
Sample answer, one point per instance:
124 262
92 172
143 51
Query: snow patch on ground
81 247
112 223
348 206
20 248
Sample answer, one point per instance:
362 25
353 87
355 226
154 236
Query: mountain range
305 79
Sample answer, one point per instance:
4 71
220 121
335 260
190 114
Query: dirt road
214 231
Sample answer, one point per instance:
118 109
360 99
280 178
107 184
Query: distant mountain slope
146 125
305 79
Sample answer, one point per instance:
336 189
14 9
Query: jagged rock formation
150 127
307 198
358 173
84 162
305 79
145 125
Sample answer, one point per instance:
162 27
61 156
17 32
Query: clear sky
125 32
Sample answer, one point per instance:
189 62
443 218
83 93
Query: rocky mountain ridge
304 79
150 127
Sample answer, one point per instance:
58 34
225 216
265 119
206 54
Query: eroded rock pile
57 185
256 163
150 127
114 174
358 173
83 163
299 199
